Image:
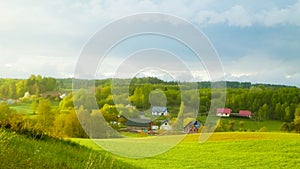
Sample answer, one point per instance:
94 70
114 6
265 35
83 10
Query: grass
18 151
22 107
26 109
250 124
224 150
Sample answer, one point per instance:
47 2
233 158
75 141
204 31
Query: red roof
224 110
245 113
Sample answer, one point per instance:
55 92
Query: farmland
225 150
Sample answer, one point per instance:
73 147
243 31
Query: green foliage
263 129
45 114
266 102
263 112
5 114
68 125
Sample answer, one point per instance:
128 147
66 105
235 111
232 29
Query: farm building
159 111
223 112
165 125
242 113
246 113
138 125
192 127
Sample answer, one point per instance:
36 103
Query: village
155 125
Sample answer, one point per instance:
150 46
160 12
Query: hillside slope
17 151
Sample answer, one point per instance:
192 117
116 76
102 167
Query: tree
297 111
278 112
68 125
287 115
296 124
5 114
178 125
262 112
34 106
109 112
46 115
138 98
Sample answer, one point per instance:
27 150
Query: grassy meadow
224 150
23 108
18 151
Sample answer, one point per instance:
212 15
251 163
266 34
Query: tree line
266 102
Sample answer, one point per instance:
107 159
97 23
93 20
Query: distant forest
265 101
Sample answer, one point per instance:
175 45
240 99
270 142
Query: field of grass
224 150
17 151
249 124
23 108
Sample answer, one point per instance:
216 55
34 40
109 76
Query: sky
256 41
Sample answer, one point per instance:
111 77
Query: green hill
223 150
18 151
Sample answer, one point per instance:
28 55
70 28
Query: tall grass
17 151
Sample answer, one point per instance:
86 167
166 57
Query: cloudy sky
257 41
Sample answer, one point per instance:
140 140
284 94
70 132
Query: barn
245 113
138 125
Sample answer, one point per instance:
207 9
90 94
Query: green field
224 150
26 108
22 107
249 124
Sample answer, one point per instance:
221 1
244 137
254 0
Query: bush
263 129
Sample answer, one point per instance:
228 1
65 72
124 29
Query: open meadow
224 150
20 151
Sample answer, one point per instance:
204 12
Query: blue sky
257 41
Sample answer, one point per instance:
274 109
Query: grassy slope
227 150
20 152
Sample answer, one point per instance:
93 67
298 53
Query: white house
223 112
165 126
159 111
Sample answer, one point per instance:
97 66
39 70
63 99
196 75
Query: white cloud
235 16
263 69
46 38
241 16
275 16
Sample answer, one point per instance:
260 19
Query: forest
54 115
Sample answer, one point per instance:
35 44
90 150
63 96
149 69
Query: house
242 113
159 111
165 125
245 113
192 127
138 125
223 112
26 95
62 96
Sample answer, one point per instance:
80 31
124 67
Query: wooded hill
266 101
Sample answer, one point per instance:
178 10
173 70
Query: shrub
263 129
